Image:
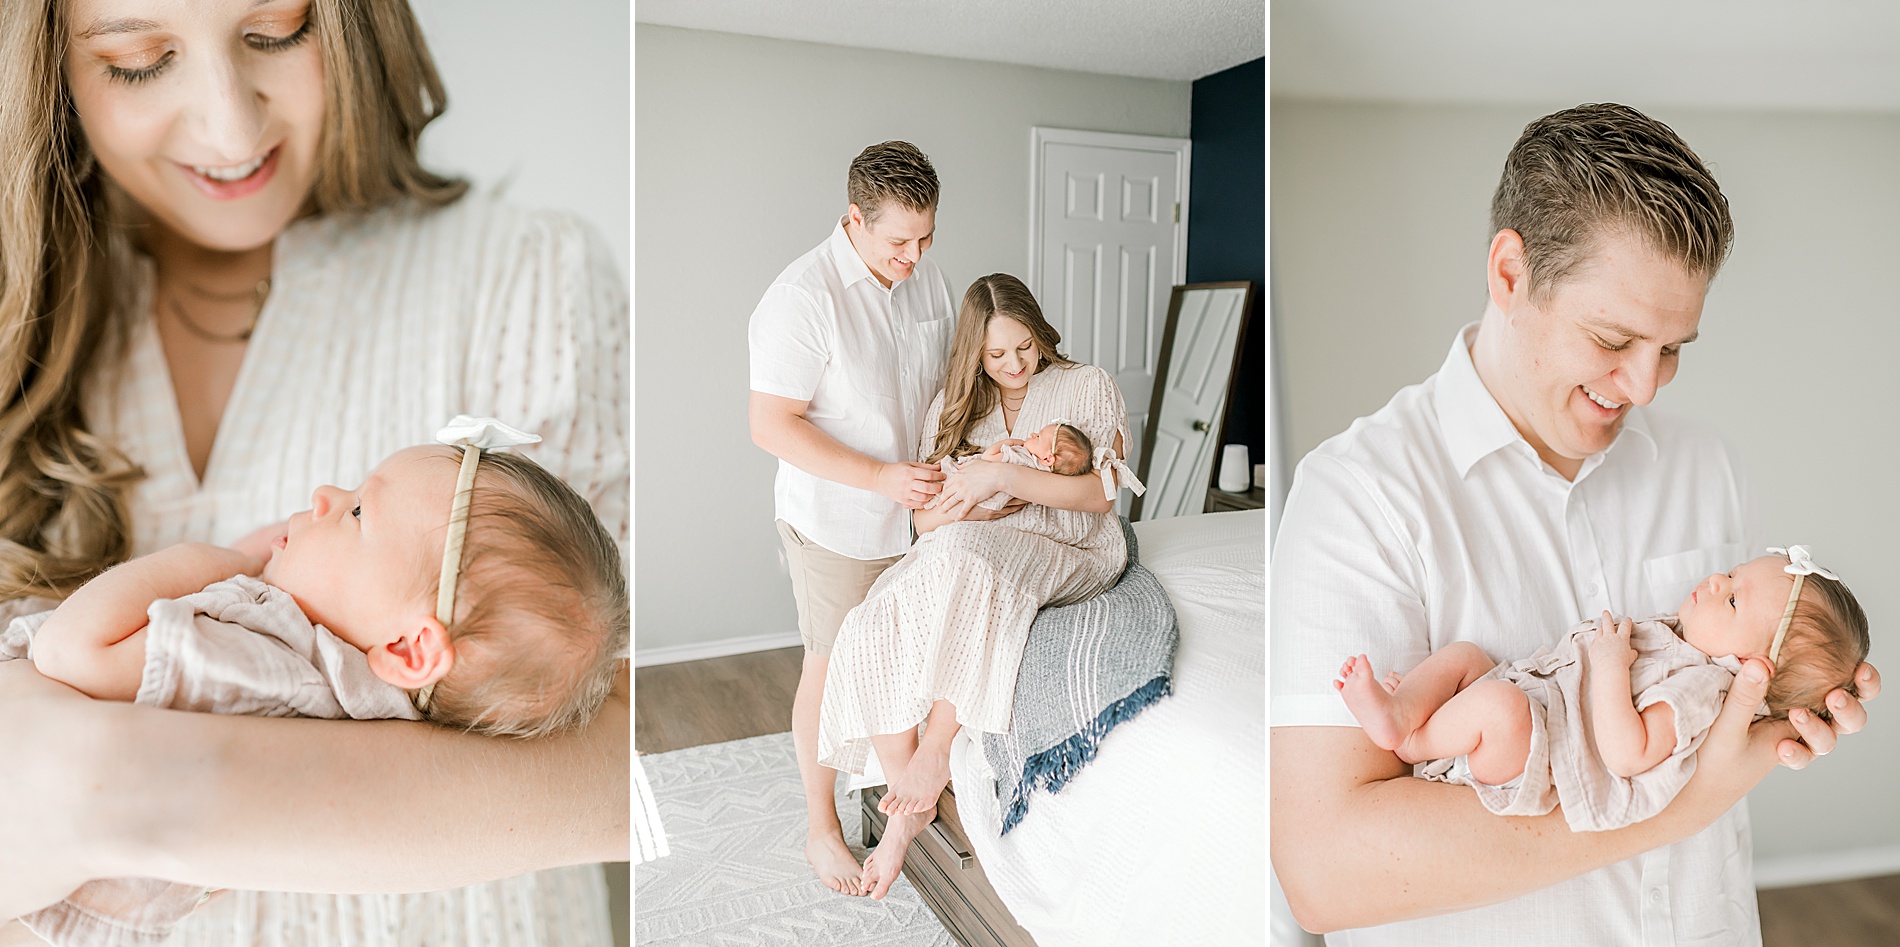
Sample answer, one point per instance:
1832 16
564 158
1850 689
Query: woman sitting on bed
940 635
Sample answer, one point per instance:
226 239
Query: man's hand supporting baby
95 641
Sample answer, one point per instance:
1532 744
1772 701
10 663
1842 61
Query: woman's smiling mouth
233 181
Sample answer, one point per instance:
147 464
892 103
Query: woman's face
206 112
1009 353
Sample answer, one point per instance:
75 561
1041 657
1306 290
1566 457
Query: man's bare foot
916 788
834 863
882 868
1376 708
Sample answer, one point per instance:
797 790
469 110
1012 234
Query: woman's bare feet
882 868
916 788
834 863
1374 705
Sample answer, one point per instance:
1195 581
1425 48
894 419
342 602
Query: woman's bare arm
294 805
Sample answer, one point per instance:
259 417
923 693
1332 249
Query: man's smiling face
894 240
1604 338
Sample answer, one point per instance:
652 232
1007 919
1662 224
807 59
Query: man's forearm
800 443
1357 842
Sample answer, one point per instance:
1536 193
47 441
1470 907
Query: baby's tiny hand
1611 646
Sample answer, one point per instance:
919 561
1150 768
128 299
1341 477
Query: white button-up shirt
869 360
1433 521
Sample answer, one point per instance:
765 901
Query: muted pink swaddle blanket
241 646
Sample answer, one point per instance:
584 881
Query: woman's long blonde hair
65 262
969 395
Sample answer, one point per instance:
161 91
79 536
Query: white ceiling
1154 39
1804 54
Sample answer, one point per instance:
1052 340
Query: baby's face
1737 612
1043 445
357 561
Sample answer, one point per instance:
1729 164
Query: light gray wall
1379 238
741 149
538 104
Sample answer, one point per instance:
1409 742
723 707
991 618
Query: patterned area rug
735 818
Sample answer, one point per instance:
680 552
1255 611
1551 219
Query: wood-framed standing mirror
1200 348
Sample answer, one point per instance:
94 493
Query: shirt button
1591 589
1655 895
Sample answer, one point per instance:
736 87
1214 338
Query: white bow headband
1107 464
473 435
1800 565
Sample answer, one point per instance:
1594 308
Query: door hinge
1177 212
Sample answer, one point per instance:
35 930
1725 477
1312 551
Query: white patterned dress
379 328
950 619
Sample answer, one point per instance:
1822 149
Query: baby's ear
420 657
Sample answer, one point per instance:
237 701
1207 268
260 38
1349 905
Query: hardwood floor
1861 913
698 702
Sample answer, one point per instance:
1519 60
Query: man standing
848 349
1520 488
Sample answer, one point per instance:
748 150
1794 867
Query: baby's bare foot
834 863
916 788
1391 681
1375 707
882 868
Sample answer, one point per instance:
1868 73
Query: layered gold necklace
258 294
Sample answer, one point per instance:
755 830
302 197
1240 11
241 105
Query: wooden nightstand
1220 501
942 867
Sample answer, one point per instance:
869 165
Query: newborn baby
1059 447
1606 722
352 609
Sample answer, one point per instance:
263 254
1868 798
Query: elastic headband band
1787 618
1800 565
473 435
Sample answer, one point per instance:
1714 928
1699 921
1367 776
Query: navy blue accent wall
1227 224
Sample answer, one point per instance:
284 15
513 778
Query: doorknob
1201 426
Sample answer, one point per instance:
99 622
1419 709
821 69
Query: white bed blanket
1162 839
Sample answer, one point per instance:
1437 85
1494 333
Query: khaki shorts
826 586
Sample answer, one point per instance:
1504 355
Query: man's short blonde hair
891 172
1577 175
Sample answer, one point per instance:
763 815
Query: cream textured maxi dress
379 328
950 619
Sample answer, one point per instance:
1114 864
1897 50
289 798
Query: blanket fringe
1054 767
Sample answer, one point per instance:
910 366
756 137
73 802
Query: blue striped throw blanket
1086 668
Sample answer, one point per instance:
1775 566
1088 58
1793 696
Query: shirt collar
1475 426
851 267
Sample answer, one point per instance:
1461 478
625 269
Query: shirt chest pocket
930 350
1668 579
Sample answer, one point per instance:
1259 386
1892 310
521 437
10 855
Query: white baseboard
674 654
1822 867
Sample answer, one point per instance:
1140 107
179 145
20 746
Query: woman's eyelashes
271 44
134 76
259 41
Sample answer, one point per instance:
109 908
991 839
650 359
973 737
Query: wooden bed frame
943 868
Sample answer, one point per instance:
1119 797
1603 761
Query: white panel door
1110 244
1199 365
